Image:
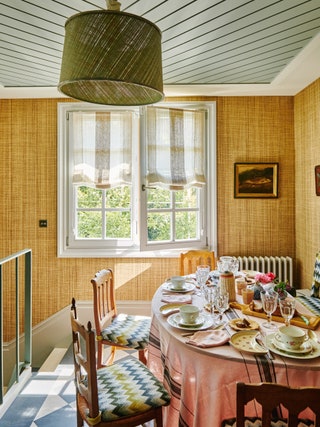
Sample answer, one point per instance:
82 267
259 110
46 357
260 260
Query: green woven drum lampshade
112 57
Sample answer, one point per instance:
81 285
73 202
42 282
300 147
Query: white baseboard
56 332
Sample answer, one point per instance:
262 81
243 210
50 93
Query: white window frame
156 250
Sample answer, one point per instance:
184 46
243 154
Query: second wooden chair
191 259
275 400
113 329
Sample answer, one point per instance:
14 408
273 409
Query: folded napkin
173 298
207 339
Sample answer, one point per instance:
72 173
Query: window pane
159 199
186 225
159 227
89 197
118 225
89 225
187 198
119 197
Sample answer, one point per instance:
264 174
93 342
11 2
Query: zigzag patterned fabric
127 388
129 331
316 278
312 304
256 422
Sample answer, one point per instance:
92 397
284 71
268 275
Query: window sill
127 253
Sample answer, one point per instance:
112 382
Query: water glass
202 275
210 294
222 303
287 309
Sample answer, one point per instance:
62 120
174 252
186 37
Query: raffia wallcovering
249 129
307 143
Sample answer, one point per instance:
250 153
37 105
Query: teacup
178 282
189 313
291 337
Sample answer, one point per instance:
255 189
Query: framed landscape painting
256 180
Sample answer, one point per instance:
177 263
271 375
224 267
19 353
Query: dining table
202 380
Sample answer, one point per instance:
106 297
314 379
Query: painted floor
48 398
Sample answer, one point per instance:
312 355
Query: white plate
250 273
199 321
310 355
174 320
305 348
246 341
186 288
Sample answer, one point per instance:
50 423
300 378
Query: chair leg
110 359
158 419
79 418
143 356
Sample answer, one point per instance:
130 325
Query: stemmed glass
287 309
269 301
222 303
202 275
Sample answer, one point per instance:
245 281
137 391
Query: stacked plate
202 322
309 349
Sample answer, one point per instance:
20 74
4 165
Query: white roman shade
102 148
175 148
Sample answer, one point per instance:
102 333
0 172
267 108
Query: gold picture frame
256 180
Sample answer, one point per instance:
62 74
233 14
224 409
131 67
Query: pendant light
112 57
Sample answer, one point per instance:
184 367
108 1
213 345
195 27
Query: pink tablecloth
202 382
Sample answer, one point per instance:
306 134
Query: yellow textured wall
307 136
249 129
256 129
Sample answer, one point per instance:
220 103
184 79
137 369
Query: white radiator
281 266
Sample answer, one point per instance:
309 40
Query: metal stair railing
26 363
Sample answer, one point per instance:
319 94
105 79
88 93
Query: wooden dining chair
191 259
274 399
118 331
125 394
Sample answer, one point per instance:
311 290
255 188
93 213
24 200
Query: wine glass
222 303
287 309
202 275
269 301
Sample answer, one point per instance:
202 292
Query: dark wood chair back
272 396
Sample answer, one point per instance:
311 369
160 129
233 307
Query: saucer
206 322
315 352
187 287
306 347
198 322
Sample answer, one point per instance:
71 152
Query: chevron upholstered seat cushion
256 422
127 388
128 331
315 288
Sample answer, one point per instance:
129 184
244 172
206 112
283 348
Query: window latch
145 187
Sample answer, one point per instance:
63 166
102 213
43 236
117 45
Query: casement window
135 181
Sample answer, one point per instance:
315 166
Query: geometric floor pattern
48 398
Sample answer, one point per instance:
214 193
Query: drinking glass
287 309
269 301
222 303
202 275
210 294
